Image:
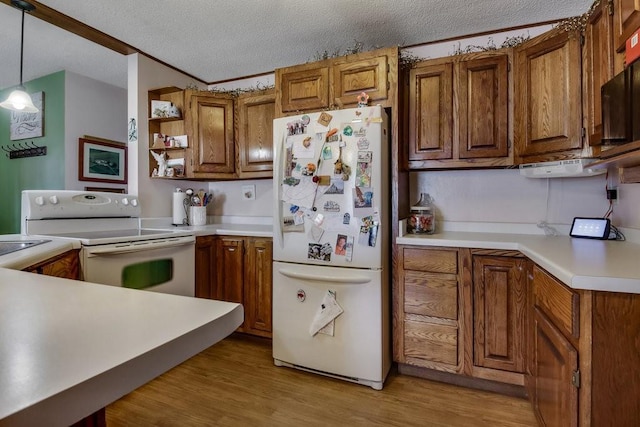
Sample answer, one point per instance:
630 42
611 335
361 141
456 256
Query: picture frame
101 160
28 125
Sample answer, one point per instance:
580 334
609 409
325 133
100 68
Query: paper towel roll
179 215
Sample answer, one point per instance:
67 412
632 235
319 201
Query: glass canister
422 219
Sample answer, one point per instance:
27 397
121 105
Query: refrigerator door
359 349
331 188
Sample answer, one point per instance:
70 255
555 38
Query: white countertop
579 263
69 348
24 258
224 225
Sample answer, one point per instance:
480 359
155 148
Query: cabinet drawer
431 260
430 294
433 342
557 301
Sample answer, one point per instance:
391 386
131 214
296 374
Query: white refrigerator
331 296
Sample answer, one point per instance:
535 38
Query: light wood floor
234 383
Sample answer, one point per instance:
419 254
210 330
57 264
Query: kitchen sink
8 246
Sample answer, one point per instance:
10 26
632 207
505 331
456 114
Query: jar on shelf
422 219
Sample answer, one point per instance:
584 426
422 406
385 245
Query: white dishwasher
357 347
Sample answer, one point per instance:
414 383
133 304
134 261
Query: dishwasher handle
140 246
356 279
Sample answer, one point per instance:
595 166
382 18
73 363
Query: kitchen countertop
24 258
222 225
69 348
599 265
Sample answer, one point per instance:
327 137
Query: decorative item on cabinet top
29 149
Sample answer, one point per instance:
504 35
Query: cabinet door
548 115
229 270
598 65
255 135
627 20
483 107
205 266
66 265
257 287
211 139
556 399
431 112
499 312
350 78
302 88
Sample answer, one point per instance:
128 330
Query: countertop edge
532 248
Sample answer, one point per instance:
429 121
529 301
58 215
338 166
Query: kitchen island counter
69 348
24 258
600 265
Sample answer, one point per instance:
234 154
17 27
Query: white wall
503 196
91 108
145 74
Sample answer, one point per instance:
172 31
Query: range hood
560 169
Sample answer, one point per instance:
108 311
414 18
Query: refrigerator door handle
351 280
277 162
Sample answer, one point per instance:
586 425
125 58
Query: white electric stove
114 249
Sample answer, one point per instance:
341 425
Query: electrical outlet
248 192
612 195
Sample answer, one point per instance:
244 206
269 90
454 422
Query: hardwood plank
234 383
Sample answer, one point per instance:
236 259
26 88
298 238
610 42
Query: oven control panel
53 204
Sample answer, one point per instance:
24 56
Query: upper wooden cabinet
548 111
210 129
626 20
598 58
255 134
459 111
336 83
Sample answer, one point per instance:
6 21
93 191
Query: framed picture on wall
28 125
101 160
105 189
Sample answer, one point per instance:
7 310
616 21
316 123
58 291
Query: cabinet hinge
575 379
582 39
583 134
610 7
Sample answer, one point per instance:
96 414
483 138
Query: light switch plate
248 192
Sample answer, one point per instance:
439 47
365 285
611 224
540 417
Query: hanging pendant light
19 99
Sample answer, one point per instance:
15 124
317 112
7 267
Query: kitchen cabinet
597 67
555 359
255 112
66 265
238 269
548 114
210 128
460 111
205 262
335 83
626 20
427 317
167 126
499 317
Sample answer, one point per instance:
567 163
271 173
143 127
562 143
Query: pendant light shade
19 99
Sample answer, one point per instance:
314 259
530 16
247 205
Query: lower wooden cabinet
554 362
427 321
555 399
237 269
498 317
66 265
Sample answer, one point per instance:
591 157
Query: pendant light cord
21 47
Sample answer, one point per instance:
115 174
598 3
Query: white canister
197 215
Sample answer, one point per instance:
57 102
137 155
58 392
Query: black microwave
621 107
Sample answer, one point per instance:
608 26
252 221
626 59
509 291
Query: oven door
162 265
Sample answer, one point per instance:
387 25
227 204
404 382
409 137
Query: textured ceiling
217 40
